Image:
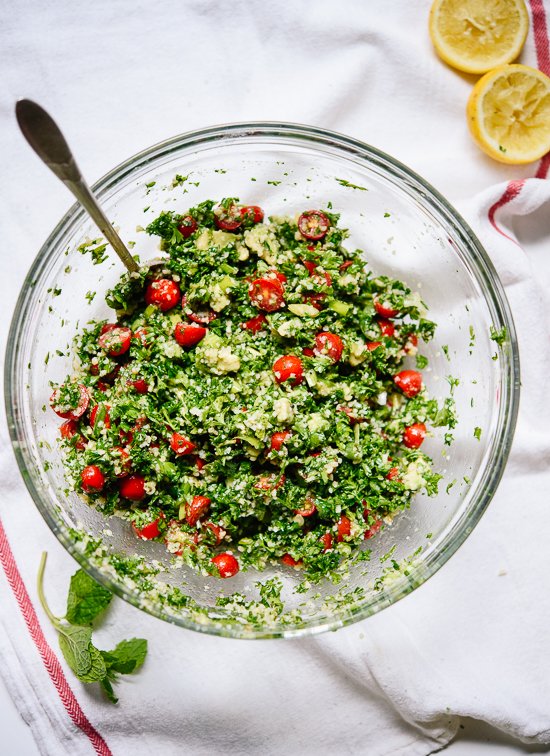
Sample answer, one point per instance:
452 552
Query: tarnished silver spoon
46 139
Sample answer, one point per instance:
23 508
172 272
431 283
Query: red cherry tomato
199 463
372 345
163 293
70 413
116 341
309 508
278 439
315 299
344 528
92 479
219 533
313 224
106 417
202 317
307 352
269 482
267 294
189 334
188 225
140 335
181 445
310 266
345 265
290 561
140 386
125 464
149 531
326 540
414 435
132 487
374 528
329 345
256 324
228 218
276 275
318 277
393 474
226 564
409 381
386 327
289 368
252 213
199 506
68 430
412 343
384 309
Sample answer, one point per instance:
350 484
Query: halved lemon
509 114
478 35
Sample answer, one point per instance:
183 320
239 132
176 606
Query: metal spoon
46 139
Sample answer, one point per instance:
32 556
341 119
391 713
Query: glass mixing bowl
408 231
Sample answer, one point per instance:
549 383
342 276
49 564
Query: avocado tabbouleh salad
253 402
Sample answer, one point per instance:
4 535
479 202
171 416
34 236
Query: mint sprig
86 600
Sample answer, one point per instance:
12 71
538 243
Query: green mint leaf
98 670
86 599
108 689
74 642
127 657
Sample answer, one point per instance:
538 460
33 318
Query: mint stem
40 587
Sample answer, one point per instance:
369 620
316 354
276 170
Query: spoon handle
46 139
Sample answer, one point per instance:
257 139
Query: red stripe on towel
511 192
51 662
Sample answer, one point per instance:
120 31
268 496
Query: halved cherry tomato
140 334
181 445
218 532
267 294
276 275
290 561
228 218
149 531
163 293
256 324
309 508
92 479
278 439
116 341
73 413
372 345
414 435
387 328
326 540
384 309
269 482
393 474
125 462
199 506
226 564
409 381
315 299
310 266
68 430
202 316
308 352
313 224
188 225
329 345
288 368
252 213
106 417
140 386
189 334
318 277
199 462
374 528
132 487
344 528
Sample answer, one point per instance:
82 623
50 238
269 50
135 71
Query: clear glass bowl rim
269 132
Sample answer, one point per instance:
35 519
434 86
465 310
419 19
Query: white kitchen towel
473 640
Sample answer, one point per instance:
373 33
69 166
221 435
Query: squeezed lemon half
478 35
509 114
